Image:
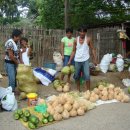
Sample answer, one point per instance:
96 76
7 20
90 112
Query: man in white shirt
82 46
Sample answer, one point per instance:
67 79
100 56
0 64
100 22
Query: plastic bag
45 77
1 76
120 63
58 60
126 82
8 100
105 62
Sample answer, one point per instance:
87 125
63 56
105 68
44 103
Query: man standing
12 57
82 46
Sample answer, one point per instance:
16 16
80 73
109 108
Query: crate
50 65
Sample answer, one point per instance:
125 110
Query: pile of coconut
65 106
61 86
106 93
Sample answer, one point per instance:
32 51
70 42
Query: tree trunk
66 2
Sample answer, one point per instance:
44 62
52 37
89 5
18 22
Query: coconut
59 109
67 106
100 87
59 89
73 113
104 98
80 111
96 90
57 117
65 114
66 88
75 105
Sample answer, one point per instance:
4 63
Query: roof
112 24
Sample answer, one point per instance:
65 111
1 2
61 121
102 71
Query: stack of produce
68 70
32 121
65 106
61 86
27 83
104 93
112 67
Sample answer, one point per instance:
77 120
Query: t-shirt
10 44
68 45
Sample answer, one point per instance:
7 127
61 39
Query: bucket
32 99
50 65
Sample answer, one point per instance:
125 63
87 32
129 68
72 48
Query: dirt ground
45 91
105 117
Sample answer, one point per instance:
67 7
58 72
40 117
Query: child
81 48
66 49
26 51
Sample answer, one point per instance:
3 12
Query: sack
28 87
58 60
120 63
105 62
8 100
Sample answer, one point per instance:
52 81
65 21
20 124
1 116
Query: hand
23 50
69 63
95 62
63 57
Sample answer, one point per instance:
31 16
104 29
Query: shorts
66 60
84 68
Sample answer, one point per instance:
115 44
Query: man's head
16 35
24 42
82 31
69 32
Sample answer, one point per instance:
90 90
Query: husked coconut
59 89
65 114
96 90
80 111
57 117
105 93
104 98
111 96
100 87
66 88
125 99
67 107
59 108
92 99
111 87
75 105
73 113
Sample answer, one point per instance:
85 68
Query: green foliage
50 13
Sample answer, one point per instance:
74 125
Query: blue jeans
82 67
11 72
66 60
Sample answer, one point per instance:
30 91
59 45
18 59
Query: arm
93 51
73 52
11 56
20 57
29 51
62 50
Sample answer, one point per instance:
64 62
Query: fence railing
46 41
